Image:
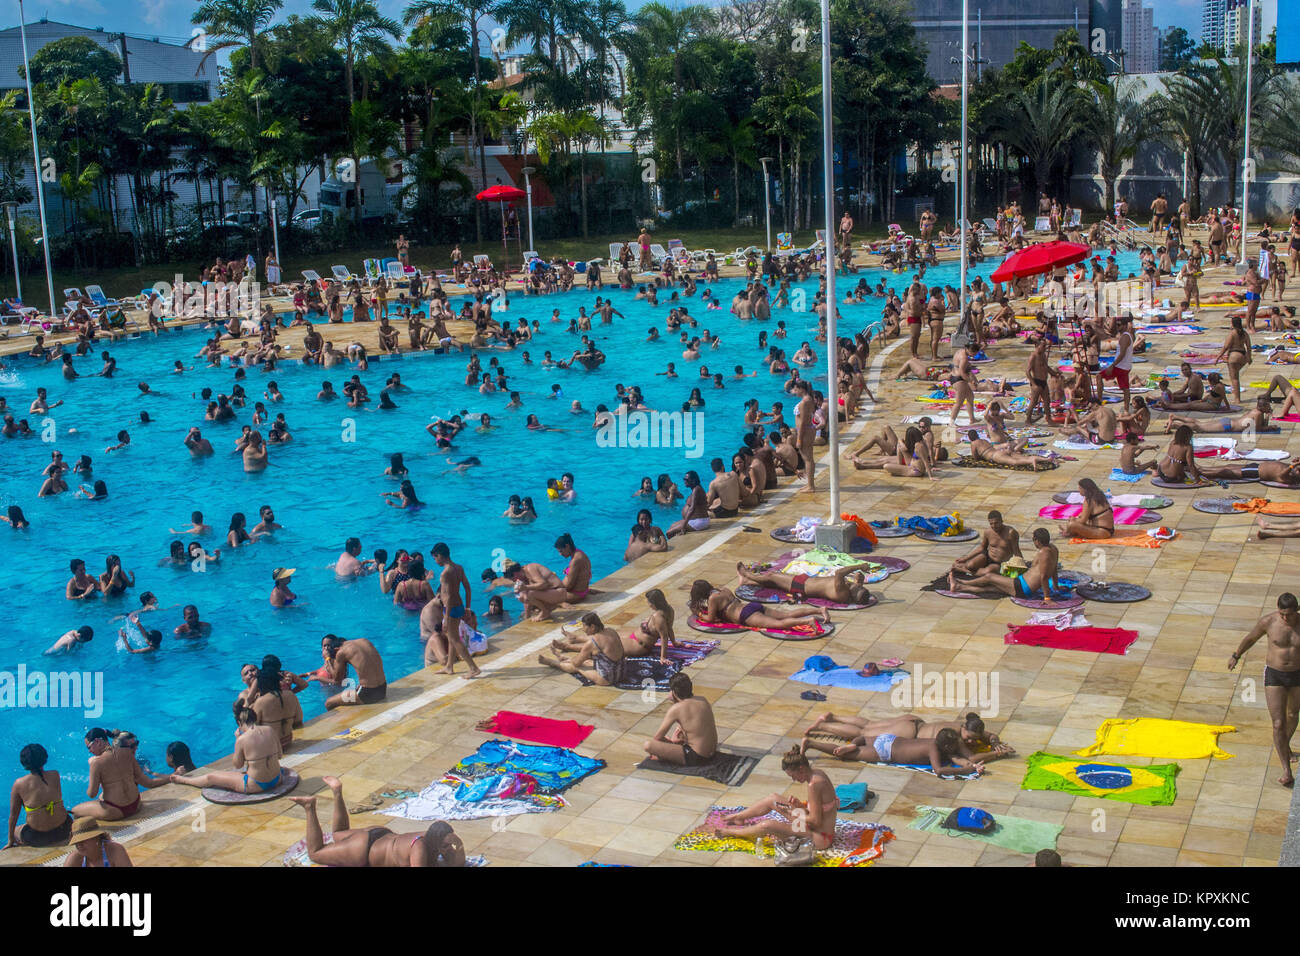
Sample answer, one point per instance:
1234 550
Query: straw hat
85 828
283 574
1015 563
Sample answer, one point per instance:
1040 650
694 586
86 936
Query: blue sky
171 18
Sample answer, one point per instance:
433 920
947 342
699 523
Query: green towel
1153 785
1011 833
853 797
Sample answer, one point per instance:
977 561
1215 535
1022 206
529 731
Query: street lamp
36 156
11 209
528 188
767 198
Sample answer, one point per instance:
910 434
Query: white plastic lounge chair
614 249
97 296
395 270
678 251
1076 218
371 269
342 273
991 225
482 262
658 254
311 276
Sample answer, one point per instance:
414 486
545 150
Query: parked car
250 220
306 219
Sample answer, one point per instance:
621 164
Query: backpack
970 820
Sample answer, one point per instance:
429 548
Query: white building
1212 12
1235 24
1138 36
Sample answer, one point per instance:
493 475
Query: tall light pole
36 157
767 199
832 341
1245 159
275 230
11 208
961 181
528 188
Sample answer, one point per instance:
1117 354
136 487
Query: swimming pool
324 487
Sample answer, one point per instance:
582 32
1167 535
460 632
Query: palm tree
1180 114
1040 122
235 23
1115 119
470 13
361 30
1280 131
604 29
739 139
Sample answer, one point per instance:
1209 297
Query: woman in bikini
413 592
942 752
814 817
257 754
1178 464
1215 400
1097 520
934 316
114 581
1236 350
721 606
600 657
40 794
975 739
376 846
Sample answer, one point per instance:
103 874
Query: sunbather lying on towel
814 817
1029 584
970 731
941 752
721 606
1256 418
376 846
846 587
1287 473
915 368
983 450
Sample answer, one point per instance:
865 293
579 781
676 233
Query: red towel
1103 640
539 730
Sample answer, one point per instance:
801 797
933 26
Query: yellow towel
1154 737
1295 383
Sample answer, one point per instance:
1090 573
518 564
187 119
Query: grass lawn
128 281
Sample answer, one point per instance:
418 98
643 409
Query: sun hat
85 828
283 574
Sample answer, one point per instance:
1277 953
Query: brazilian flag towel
1153 785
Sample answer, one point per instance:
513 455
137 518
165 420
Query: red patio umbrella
502 194
1039 258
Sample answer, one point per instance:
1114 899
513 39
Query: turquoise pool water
325 486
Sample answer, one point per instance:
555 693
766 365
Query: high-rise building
1235 24
997 27
1137 34
1212 22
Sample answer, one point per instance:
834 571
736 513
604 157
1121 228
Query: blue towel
819 662
933 525
1117 475
853 797
850 678
555 768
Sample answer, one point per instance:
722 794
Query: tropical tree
1279 133
1116 121
1040 123
229 24
1179 113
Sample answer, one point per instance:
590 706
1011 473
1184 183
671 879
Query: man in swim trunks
451 580
114 769
1029 584
1254 284
913 308
1038 372
983 450
846 586
942 752
375 846
724 492
695 741
1281 674
998 543
365 659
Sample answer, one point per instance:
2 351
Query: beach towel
802 632
853 797
942 525
1292 417
641 673
824 672
966 461
1170 329
854 844
555 768
1124 540
1070 617
687 653
1152 786
539 730
438 801
1156 737
1113 592
1118 475
1100 640
1082 445
296 855
1122 515
1124 501
1265 507
727 768
288 782
1011 833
